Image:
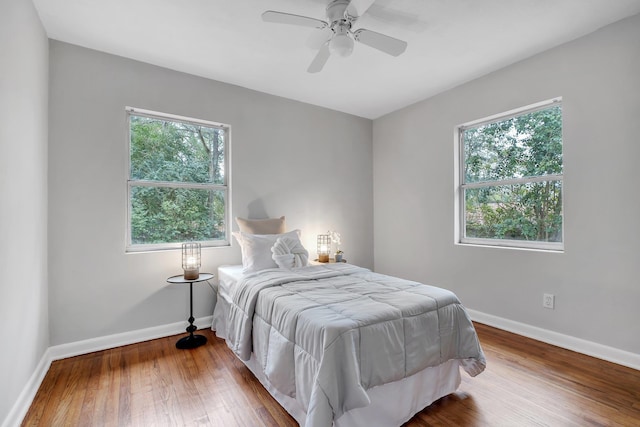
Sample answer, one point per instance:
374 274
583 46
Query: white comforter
325 334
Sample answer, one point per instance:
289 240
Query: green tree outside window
512 177
177 181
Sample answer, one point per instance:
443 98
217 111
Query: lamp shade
191 260
341 44
324 247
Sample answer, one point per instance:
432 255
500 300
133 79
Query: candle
191 273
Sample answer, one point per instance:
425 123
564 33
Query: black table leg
191 341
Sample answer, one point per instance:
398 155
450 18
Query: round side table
191 341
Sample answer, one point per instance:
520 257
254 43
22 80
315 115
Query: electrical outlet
548 301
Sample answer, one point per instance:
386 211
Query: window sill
554 248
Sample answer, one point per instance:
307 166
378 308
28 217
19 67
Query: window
510 179
178 187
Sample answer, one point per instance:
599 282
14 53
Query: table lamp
324 247
191 260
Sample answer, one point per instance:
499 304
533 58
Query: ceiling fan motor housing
336 10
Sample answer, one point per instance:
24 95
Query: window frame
461 185
225 187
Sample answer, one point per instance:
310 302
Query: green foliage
164 153
525 146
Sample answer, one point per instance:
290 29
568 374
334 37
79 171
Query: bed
339 345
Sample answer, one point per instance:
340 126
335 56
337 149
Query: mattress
392 403
228 276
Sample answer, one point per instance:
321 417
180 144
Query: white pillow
256 249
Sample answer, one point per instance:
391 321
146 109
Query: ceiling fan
336 36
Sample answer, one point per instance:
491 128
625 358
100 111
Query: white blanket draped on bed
325 334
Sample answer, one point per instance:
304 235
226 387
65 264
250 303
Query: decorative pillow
261 226
288 252
256 249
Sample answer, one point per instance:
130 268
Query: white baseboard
62 351
610 354
20 408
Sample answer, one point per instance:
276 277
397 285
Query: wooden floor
526 383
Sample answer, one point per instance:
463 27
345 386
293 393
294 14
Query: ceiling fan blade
357 8
289 18
321 58
386 44
318 38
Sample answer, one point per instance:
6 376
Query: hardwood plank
40 408
526 383
86 417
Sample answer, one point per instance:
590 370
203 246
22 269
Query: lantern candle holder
191 260
324 247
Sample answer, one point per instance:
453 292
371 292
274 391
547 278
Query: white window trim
460 186
226 187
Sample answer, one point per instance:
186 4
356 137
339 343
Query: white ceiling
450 42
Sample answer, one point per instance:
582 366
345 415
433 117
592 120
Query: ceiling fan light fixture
341 44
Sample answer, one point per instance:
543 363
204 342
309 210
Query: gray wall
24 332
310 164
596 280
